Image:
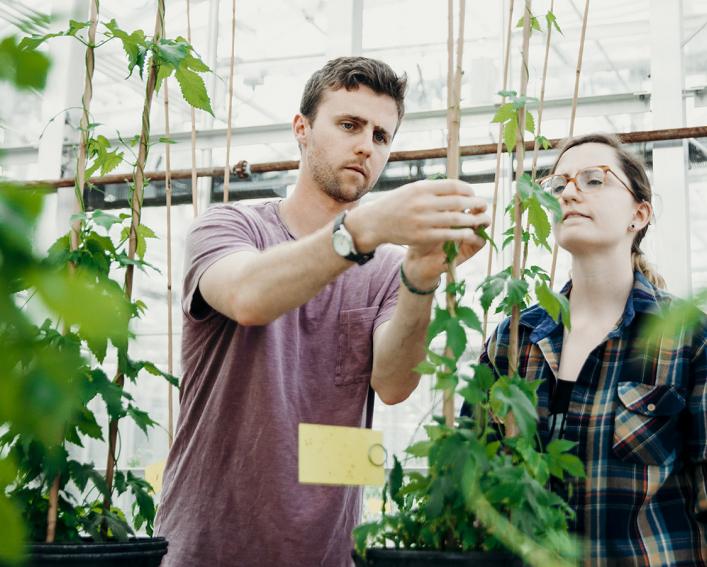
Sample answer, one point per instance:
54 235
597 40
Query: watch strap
354 255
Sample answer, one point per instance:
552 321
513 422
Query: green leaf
506 396
395 482
469 318
507 93
504 113
529 122
362 533
88 425
21 65
104 220
134 45
483 376
472 393
12 535
75 27
141 419
491 287
419 449
558 446
573 465
171 52
552 21
509 134
143 233
534 23
538 220
451 250
438 323
554 303
516 291
481 231
425 368
543 142
525 187
551 203
447 381
456 337
193 89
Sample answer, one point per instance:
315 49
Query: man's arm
399 344
255 288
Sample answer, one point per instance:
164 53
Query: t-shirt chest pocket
354 357
646 423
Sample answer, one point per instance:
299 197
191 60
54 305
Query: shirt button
651 407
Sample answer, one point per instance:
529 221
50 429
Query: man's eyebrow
362 121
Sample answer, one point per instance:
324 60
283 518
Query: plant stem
538 126
136 207
511 427
499 153
194 186
575 96
515 540
454 81
168 207
53 508
227 169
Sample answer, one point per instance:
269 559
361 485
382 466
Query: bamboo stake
168 206
227 168
511 427
499 153
53 508
538 126
454 80
136 207
575 96
194 186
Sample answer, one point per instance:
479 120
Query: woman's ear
642 215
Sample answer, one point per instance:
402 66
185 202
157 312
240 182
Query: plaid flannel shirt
639 419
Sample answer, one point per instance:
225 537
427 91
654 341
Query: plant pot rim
134 547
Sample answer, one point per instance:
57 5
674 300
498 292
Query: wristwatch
343 243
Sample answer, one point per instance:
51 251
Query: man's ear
300 125
642 215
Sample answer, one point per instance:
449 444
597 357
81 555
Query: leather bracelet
412 289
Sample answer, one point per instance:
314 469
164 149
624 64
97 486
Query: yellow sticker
330 454
153 475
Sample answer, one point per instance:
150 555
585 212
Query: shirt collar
643 298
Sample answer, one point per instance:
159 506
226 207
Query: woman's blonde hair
635 170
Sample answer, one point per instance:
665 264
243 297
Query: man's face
346 147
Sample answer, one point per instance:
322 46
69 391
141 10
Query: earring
632 227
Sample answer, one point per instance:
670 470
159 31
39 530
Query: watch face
342 245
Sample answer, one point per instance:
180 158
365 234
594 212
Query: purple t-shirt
231 496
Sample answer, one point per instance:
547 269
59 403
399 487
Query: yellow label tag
153 475
331 454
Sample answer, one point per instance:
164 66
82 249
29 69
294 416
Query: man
289 316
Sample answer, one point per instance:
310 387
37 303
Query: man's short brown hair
350 73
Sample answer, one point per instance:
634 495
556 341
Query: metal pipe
242 169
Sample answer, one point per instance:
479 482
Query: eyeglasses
587 180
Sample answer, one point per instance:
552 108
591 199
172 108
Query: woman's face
598 220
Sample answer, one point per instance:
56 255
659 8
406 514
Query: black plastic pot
379 557
136 552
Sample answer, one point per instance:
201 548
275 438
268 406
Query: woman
638 416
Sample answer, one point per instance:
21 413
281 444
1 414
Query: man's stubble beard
326 177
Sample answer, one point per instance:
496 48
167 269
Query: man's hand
422 215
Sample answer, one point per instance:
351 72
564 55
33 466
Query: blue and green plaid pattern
639 418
